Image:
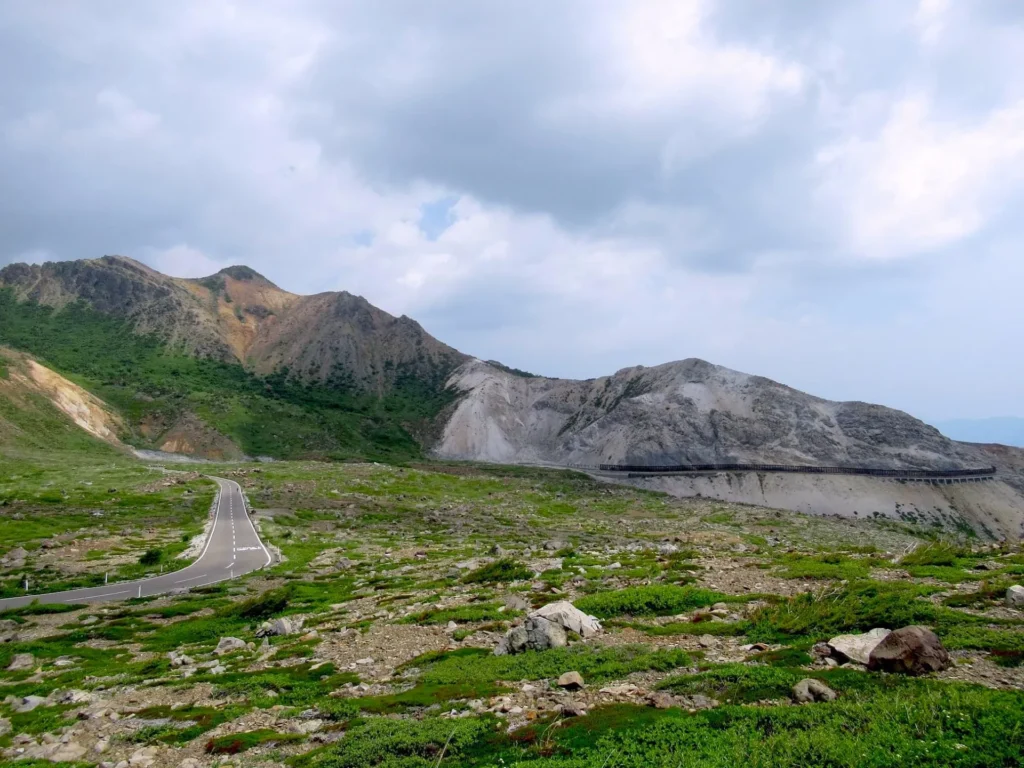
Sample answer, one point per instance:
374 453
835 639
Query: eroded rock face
910 651
689 411
857 648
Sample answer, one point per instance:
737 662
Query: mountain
230 364
687 412
238 316
1004 430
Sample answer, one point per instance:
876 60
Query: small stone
572 709
5 726
143 758
228 645
571 681
28 703
67 753
21 661
706 641
516 603
810 690
662 700
280 627
364 662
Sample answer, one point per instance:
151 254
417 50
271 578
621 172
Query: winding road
232 549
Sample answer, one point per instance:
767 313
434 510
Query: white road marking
107 594
182 581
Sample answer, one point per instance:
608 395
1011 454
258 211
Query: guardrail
906 474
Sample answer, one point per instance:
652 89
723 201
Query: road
232 549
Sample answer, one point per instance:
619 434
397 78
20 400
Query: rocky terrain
482 616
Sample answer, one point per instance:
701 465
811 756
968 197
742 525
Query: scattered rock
535 634
279 627
21 661
571 681
911 651
28 703
569 617
15 558
74 696
190 762
572 709
344 564
857 648
810 690
661 700
516 603
143 758
1015 596
229 644
66 753
5 726
820 651
180 659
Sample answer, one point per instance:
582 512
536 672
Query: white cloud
183 261
921 182
634 180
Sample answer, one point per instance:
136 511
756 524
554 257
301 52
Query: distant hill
1004 430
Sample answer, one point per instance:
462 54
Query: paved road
232 549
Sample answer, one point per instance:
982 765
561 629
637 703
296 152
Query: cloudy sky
826 193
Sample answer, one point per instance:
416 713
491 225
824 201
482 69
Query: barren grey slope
679 413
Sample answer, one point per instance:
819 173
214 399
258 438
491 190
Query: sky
827 194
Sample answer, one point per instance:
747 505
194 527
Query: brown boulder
909 651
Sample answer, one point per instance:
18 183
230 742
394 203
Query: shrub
262 607
935 553
858 608
240 742
653 600
500 571
151 557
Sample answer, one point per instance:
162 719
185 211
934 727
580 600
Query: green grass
401 744
301 685
596 664
498 572
857 608
830 566
466 614
653 600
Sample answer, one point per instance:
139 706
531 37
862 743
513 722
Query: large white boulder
857 648
1015 596
570 618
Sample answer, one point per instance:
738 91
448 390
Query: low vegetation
395 597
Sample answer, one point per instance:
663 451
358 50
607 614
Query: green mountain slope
157 389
